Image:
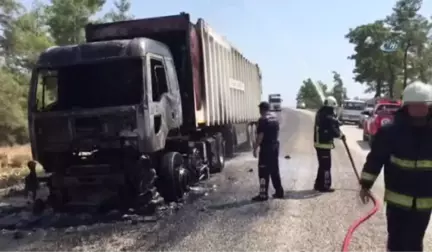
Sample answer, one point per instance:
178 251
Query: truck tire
173 177
250 137
230 142
219 162
193 166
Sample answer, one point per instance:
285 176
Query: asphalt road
219 216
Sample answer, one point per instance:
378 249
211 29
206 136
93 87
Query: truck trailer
144 108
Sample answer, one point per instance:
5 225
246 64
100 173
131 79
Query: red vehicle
382 114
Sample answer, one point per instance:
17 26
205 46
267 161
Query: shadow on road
302 194
364 145
347 189
230 205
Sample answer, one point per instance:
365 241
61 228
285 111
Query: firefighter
326 129
404 149
268 160
31 184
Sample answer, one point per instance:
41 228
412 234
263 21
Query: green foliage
67 19
310 96
338 91
121 11
13 127
24 34
387 73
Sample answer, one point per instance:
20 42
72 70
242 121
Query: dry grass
13 164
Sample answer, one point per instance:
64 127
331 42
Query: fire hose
357 223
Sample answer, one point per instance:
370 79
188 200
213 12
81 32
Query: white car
351 111
301 105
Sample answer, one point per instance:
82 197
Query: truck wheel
230 142
219 162
195 162
38 207
250 137
173 177
56 200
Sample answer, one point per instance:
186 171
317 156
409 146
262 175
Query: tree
121 11
324 87
13 127
309 95
25 38
338 91
374 68
67 19
9 9
389 72
412 31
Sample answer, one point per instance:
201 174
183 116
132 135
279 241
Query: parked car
351 111
364 116
301 105
382 114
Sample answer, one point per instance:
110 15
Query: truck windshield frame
275 100
90 85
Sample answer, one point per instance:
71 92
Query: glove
365 195
342 137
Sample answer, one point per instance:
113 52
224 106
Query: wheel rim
221 152
250 130
182 180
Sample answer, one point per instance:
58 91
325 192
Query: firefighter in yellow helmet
326 129
404 148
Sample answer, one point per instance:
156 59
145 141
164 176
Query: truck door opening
158 79
159 88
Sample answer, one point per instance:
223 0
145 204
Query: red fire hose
357 223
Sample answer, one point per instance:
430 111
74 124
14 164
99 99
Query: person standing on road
404 148
326 128
268 160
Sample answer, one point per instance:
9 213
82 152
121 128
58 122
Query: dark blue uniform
326 129
268 160
405 152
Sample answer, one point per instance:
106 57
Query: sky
290 40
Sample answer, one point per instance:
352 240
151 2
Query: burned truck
144 108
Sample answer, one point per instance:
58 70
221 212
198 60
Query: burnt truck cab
96 109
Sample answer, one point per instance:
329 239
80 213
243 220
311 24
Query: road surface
219 215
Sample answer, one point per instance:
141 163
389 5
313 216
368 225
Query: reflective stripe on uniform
323 146
409 164
319 145
407 201
368 176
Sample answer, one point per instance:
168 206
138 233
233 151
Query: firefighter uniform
326 129
404 149
268 157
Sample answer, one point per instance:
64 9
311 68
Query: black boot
278 195
260 198
324 190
